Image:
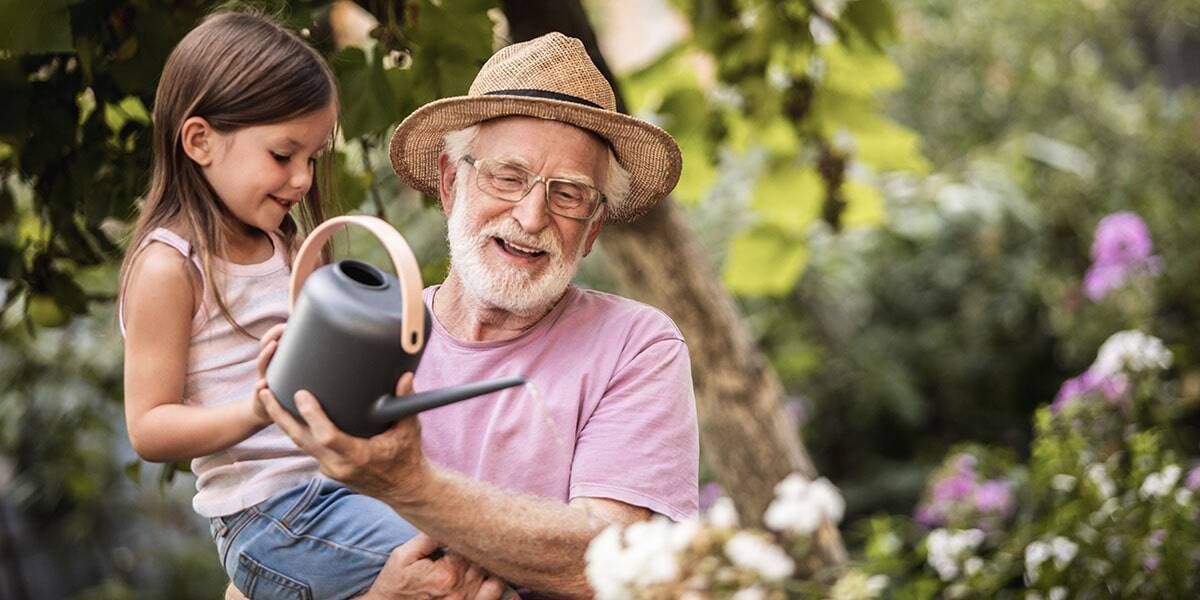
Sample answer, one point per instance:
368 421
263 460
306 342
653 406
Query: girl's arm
159 303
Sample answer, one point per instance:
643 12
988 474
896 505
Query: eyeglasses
511 183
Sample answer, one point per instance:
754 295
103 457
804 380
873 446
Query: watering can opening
364 274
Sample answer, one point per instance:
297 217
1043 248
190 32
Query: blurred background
900 196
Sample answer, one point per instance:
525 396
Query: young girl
242 112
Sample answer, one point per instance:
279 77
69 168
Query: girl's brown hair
234 70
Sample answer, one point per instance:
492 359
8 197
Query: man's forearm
529 542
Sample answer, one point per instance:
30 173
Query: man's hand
387 464
410 574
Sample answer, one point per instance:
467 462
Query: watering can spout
388 408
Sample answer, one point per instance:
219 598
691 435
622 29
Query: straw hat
550 77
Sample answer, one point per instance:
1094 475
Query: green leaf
873 20
864 205
699 172
764 260
36 27
881 143
370 104
861 74
789 198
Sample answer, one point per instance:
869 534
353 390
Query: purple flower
1113 388
1122 246
1122 238
709 494
1193 479
929 517
994 496
954 488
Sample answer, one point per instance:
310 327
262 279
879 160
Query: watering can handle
405 264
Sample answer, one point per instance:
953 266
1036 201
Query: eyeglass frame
535 178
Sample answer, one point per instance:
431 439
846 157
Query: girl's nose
301 179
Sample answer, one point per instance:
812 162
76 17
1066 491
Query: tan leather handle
407 271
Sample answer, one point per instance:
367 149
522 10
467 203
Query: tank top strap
174 240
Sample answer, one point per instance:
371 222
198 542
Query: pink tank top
221 368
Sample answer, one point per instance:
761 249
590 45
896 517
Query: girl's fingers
272 335
264 357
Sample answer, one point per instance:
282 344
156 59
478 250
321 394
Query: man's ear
594 232
446 172
199 140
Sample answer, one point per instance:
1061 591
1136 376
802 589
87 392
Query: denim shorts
317 540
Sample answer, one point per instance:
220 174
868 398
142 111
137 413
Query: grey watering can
354 330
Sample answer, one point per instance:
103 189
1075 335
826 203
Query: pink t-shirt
617 417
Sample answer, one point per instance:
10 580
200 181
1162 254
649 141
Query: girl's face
260 172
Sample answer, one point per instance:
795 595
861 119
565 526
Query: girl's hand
269 343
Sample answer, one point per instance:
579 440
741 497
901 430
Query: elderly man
529 166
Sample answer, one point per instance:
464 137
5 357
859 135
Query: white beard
498 284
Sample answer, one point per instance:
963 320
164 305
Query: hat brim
649 154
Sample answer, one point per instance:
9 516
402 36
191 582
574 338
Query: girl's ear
198 139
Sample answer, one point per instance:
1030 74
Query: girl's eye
280 158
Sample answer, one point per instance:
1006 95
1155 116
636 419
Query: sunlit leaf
764 260
864 205
789 198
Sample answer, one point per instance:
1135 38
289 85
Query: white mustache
507 229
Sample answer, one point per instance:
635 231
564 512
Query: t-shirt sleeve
641 444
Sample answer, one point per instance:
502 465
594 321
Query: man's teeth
518 248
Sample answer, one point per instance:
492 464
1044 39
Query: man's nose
531 211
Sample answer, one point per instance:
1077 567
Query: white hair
459 144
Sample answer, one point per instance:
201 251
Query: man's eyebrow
570 175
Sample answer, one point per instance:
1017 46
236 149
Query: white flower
973 565
643 554
604 565
1036 553
945 550
1183 496
800 505
1057 593
1157 485
1064 551
856 585
750 593
1099 477
752 552
723 514
1062 482
1131 351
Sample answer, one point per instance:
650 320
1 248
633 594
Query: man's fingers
491 589
323 430
404 384
284 419
411 551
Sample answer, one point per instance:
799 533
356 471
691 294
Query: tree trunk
748 439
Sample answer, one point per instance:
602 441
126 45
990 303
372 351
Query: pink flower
994 496
1122 246
1193 479
1113 388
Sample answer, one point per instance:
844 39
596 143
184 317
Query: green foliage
801 81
